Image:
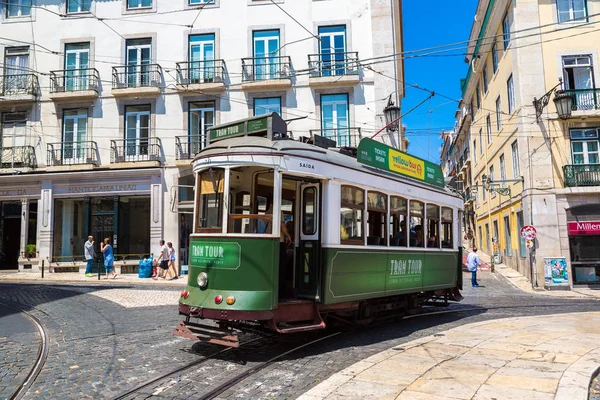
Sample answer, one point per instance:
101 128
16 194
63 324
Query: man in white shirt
473 262
88 251
163 261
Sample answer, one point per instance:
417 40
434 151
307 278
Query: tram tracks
42 355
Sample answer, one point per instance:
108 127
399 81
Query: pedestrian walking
473 262
109 258
172 272
88 251
163 261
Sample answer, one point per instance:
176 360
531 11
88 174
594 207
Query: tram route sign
264 125
222 255
378 155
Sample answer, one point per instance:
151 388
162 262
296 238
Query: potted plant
30 251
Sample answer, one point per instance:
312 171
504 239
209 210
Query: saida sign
378 155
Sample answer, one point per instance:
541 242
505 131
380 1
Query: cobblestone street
105 339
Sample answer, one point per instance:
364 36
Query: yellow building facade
528 165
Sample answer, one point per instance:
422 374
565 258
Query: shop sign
222 255
378 155
17 192
102 188
584 228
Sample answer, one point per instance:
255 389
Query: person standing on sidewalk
473 262
172 272
88 251
163 261
109 258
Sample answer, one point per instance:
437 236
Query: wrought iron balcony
343 137
18 85
74 80
333 64
135 150
72 153
266 68
17 157
582 175
197 72
137 76
585 99
186 147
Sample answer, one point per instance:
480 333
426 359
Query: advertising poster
555 270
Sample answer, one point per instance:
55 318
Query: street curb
95 281
576 380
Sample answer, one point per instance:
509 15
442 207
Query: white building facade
103 105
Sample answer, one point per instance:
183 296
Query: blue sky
428 24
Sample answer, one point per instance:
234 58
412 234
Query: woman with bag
172 271
109 258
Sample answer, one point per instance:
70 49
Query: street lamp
562 100
392 115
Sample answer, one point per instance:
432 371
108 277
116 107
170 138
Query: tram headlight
202 280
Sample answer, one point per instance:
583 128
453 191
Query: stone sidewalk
525 358
78 277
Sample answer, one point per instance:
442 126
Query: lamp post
562 100
392 119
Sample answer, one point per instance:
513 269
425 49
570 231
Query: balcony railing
135 76
585 99
186 147
264 68
582 175
135 150
73 80
21 84
343 137
194 72
17 157
333 64
72 153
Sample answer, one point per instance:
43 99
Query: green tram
287 233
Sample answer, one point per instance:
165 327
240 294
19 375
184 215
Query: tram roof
260 145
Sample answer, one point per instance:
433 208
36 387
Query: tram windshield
210 201
251 201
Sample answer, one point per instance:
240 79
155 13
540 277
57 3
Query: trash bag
145 268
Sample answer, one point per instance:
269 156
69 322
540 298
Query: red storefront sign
584 228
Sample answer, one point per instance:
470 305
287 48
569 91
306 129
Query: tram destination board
378 155
265 125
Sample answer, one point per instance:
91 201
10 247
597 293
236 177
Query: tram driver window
376 219
210 201
351 215
398 230
416 236
433 226
446 228
250 214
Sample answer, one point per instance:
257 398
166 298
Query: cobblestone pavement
104 342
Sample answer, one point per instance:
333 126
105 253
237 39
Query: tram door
308 268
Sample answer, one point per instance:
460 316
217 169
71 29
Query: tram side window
433 226
210 201
398 231
447 228
351 215
376 219
417 209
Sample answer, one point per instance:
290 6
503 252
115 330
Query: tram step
206 333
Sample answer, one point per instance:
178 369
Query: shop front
584 244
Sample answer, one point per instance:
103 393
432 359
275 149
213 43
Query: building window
13 132
508 236
74 136
139 4
194 2
202 118
137 130
398 211
584 146
484 193
502 167
506 31
417 211
433 226
351 215
485 80
267 105
515 159
332 50
481 141
376 219
16 68
78 6
480 238
139 58
471 110
488 127
475 150
266 54
335 119
18 8
491 179
77 62
202 58
495 57
478 97
520 225
496 237
487 237
510 91
571 10
447 228
498 114
578 74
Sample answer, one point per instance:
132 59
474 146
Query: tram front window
210 201
251 201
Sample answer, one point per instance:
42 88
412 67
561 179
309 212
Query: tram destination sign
223 255
378 155
264 125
